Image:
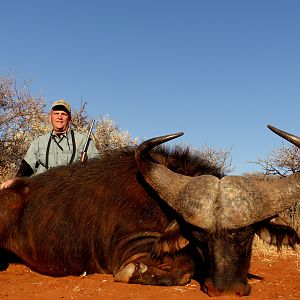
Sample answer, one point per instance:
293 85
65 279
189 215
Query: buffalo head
223 215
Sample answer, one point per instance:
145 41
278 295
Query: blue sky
219 71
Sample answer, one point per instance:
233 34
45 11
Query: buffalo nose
238 290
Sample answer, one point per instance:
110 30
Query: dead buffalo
148 216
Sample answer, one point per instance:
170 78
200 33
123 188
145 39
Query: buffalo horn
287 136
158 176
245 200
207 201
172 187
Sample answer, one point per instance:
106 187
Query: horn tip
271 127
176 135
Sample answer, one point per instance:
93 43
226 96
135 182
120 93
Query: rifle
83 156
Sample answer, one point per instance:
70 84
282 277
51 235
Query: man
62 146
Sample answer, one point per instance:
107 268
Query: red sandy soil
281 281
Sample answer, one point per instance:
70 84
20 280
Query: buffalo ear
278 234
169 242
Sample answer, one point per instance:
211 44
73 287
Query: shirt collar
61 136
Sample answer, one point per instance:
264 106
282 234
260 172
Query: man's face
60 120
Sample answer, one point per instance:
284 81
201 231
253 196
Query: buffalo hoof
125 274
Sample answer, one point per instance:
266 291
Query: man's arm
25 170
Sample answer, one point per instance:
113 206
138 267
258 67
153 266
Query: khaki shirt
60 150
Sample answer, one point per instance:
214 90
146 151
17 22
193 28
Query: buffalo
151 215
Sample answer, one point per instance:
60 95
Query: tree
21 118
24 117
107 134
220 158
282 162
108 137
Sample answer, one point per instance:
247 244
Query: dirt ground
281 280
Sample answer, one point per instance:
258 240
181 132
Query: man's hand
7 183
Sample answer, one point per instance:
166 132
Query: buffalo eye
200 235
242 235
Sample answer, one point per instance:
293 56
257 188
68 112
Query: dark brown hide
103 217
89 218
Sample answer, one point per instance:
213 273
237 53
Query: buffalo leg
169 271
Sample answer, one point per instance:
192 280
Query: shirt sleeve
92 151
24 170
31 156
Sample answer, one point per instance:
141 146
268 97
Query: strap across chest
48 149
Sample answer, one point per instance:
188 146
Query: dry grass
267 253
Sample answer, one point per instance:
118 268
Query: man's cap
63 104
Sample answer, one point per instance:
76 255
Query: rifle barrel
85 147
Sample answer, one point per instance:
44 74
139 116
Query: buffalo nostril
242 290
204 289
210 290
238 290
